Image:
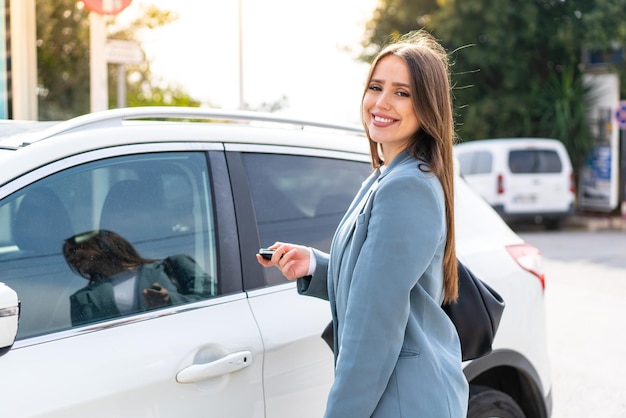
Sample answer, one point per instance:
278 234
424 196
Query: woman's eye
403 94
375 88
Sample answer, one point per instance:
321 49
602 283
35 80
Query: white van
524 179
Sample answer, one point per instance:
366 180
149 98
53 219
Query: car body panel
482 237
106 371
298 363
32 157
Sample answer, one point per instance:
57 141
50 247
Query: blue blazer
397 354
96 301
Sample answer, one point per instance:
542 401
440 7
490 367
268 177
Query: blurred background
539 68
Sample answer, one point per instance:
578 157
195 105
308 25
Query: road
586 311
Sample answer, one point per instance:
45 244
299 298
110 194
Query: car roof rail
115 117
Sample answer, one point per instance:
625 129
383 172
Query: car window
534 161
300 199
107 239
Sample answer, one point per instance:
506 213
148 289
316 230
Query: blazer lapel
365 188
346 226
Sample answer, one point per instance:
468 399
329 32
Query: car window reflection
120 281
109 238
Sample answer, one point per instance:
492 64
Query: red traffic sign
620 114
106 7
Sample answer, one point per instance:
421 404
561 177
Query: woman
392 260
120 280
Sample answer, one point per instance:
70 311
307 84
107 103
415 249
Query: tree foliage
63 61
392 18
516 63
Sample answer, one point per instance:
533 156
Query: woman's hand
156 296
292 260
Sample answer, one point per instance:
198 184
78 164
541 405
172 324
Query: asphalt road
586 311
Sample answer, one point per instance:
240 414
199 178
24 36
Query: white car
230 339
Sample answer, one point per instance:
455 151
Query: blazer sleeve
317 284
405 227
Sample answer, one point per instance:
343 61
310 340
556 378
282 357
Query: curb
596 223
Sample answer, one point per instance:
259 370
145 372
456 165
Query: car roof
29 145
14 132
516 142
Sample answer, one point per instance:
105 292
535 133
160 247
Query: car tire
485 402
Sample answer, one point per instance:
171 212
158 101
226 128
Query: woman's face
388 107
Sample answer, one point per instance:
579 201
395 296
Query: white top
124 290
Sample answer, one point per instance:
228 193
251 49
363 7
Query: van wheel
485 402
554 224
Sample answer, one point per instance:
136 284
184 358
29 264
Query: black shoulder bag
476 314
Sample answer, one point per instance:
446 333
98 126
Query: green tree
516 63
392 18
63 61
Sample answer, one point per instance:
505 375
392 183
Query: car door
296 196
89 343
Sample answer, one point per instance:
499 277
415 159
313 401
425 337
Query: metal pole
240 28
622 143
121 85
23 59
99 94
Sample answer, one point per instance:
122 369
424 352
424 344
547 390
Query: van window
534 161
483 161
479 162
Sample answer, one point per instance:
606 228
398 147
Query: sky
302 50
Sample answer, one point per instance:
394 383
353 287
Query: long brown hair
428 66
92 253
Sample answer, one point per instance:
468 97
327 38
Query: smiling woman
392 260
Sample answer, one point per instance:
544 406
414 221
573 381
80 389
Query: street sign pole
620 117
121 53
99 94
99 50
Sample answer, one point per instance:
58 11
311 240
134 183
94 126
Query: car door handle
225 365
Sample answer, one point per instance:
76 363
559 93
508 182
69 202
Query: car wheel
485 402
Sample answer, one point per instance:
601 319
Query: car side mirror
9 316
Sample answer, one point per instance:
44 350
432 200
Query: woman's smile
388 110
